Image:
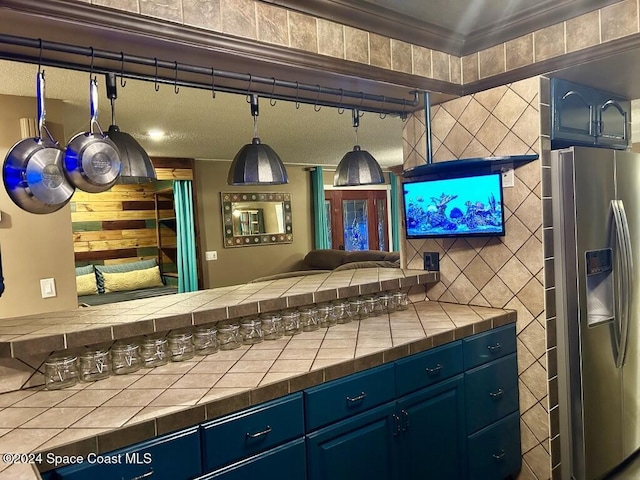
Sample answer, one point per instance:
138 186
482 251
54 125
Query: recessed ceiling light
155 134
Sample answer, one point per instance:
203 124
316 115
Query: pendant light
256 163
357 167
136 164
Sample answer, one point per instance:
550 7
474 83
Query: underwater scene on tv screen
455 206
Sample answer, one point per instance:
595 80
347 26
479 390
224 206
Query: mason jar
272 327
342 311
154 352
229 336
95 365
401 300
373 306
60 371
251 331
205 340
326 315
387 303
181 346
308 319
125 358
356 309
291 322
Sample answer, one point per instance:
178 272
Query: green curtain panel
395 212
187 268
319 213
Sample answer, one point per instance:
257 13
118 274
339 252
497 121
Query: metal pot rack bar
344 99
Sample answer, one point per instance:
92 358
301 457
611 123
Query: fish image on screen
463 206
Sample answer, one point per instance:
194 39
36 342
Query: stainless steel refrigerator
596 220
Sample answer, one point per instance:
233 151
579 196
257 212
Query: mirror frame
231 240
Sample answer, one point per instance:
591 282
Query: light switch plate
48 287
212 255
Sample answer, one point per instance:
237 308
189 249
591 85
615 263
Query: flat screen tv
452 207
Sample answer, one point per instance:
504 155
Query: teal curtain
319 213
186 260
395 212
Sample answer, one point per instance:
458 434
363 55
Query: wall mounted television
470 205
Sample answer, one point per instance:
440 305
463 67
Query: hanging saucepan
91 160
33 172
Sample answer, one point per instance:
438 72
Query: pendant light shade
357 167
136 164
257 163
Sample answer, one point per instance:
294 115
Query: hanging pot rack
339 98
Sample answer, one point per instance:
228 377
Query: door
583 190
360 448
628 186
358 219
433 434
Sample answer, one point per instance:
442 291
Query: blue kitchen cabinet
491 405
170 457
251 431
432 432
286 461
361 448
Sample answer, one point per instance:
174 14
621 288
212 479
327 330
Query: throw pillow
121 268
135 280
86 284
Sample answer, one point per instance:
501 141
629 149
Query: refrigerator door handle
623 248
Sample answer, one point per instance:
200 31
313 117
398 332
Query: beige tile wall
276 25
504 272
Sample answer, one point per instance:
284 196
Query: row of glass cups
128 356
288 322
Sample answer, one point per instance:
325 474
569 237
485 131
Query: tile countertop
45 333
121 410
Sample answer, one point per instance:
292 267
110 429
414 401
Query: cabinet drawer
428 367
256 429
269 465
487 346
170 457
491 392
342 398
494 452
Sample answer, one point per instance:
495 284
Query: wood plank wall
118 226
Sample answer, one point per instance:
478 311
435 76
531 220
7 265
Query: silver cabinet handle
499 456
396 425
144 475
356 399
259 434
405 415
435 370
494 348
498 394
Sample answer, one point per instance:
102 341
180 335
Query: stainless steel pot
32 171
92 160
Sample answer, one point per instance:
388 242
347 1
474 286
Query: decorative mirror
256 218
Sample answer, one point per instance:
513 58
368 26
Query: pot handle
42 113
93 105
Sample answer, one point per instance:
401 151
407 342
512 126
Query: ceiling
199 126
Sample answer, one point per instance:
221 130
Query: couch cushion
86 284
121 268
364 256
392 257
84 270
324 259
298 273
133 280
367 264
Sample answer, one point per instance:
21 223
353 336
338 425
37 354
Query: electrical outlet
212 255
507 174
48 287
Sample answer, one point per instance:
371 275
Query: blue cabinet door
286 461
361 448
433 436
171 457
